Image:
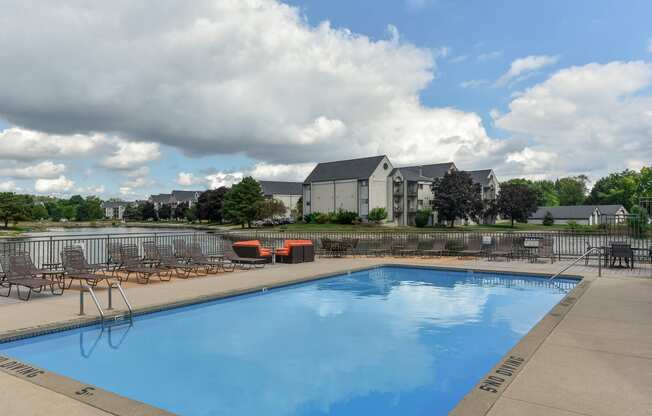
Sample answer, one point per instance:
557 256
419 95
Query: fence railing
46 250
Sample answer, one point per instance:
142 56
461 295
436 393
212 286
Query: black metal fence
566 244
45 251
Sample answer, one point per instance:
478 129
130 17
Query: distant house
114 209
357 185
581 214
175 198
286 192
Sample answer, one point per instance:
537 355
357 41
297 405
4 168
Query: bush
422 217
573 225
311 218
377 214
548 219
345 217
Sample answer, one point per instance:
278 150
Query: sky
123 99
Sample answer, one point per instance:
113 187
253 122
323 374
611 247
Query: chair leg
29 293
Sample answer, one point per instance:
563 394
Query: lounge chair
132 264
114 257
77 268
164 258
19 272
243 262
197 258
504 247
410 248
472 248
180 249
296 251
437 248
546 250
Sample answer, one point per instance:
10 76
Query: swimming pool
384 341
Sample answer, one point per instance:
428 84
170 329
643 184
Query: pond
87 231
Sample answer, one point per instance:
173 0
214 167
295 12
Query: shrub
345 217
572 224
311 218
548 219
377 214
422 217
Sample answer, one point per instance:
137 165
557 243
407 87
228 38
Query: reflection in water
384 342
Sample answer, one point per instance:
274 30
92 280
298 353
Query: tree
133 212
148 211
241 200
13 207
377 215
180 211
89 209
546 193
269 208
456 196
572 190
516 202
298 209
421 218
39 212
548 219
616 188
191 213
165 212
210 206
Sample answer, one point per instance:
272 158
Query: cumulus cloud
53 186
9 186
131 154
261 171
27 145
595 117
189 179
91 190
235 76
46 169
523 67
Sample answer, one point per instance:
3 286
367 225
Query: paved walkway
596 361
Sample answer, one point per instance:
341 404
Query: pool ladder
577 260
112 285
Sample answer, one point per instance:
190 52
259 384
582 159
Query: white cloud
132 154
141 182
46 169
532 161
9 186
91 190
234 76
489 56
22 144
523 66
596 117
139 172
473 83
58 185
189 179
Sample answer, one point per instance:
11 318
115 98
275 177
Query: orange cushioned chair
252 249
294 251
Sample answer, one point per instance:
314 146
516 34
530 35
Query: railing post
110 297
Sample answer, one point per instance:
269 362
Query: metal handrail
588 252
122 294
90 290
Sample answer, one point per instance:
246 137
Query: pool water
385 341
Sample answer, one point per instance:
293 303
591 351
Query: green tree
148 211
422 217
180 211
546 193
269 208
457 197
133 212
572 190
165 212
616 188
548 219
241 200
14 207
39 212
516 201
377 215
210 205
89 209
192 213
297 213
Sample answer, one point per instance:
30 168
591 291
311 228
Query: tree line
16 207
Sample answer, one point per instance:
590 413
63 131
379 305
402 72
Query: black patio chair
20 272
622 251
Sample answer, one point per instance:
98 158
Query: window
420 186
420 202
364 183
385 166
365 201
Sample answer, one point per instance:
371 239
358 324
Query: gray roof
480 176
281 188
160 198
411 173
184 196
571 212
114 204
344 169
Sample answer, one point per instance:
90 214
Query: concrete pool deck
596 360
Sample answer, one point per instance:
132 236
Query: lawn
379 228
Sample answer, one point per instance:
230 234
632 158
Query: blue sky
385 77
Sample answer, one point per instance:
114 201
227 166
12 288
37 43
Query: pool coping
477 402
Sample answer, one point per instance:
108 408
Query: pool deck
594 358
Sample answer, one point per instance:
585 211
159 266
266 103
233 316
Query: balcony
398 192
398 208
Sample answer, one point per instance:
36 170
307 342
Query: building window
365 202
420 186
420 202
364 183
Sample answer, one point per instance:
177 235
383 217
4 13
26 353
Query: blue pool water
386 341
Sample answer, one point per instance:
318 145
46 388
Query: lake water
67 231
